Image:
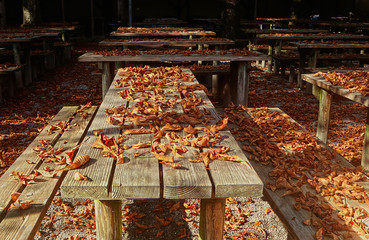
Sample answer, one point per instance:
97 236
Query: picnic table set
157 135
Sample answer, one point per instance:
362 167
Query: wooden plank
138 177
91 57
100 169
212 219
233 179
19 165
320 82
23 224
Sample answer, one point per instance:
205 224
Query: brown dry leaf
79 161
78 176
175 207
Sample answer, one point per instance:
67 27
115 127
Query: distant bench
16 223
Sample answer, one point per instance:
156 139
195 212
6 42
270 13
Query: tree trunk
31 12
230 18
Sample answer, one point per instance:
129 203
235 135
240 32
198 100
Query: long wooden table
164 42
145 178
310 52
240 66
326 91
21 43
163 34
275 41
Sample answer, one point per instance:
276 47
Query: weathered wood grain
212 219
138 177
165 42
325 102
234 179
108 219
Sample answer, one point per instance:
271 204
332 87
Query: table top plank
190 181
233 179
321 82
99 169
138 177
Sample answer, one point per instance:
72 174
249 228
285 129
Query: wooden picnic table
21 43
145 178
275 41
240 66
325 90
311 51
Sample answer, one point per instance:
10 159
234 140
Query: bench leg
365 154
108 219
325 101
212 219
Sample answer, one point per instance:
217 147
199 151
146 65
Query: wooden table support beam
239 84
108 219
365 154
107 77
212 219
325 101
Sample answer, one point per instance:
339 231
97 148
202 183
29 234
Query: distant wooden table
164 42
21 43
145 178
275 40
188 33
310 52
326 91
240 66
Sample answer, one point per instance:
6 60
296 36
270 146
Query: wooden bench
299 173
23 224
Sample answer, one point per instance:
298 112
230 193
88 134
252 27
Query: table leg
325 101
365 154
107 77
27 67
17 60
239 84
212 219
108 215
301 68
270 53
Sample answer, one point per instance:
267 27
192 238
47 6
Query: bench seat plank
19 165
284 205
23 224
101 169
